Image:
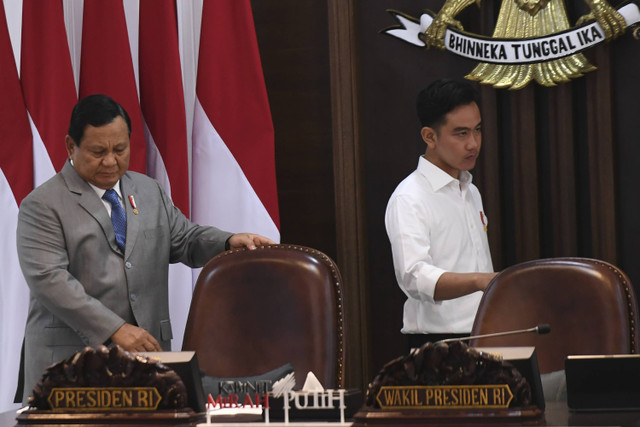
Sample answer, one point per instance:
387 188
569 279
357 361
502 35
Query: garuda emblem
532 39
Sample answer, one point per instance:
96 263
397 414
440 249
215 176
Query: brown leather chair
254 311
589 304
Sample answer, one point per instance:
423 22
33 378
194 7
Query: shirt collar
439 178
100 191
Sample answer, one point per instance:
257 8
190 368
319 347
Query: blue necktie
118 218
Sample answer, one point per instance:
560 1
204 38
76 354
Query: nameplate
104 399
444 397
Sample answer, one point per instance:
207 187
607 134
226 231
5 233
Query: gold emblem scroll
104 399
445 397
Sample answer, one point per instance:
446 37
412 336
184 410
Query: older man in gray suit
95 243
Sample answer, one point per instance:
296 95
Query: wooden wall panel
562 178
350 204
601 161
558 172
488 173
625 86
523 137
294 48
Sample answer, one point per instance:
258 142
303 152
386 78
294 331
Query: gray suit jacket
82 287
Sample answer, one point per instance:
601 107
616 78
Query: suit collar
89 201
130 196
74 182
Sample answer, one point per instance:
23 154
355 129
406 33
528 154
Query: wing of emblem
532 39
518 23
612 23
434 35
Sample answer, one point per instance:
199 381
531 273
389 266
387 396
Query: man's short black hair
442 96
95 110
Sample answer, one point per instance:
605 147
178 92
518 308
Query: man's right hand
133 338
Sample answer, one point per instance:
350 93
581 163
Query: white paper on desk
312 383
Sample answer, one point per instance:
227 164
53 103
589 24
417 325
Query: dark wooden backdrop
558 171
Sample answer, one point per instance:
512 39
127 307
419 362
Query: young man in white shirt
436 223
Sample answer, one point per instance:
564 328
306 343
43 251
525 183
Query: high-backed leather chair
589 304
256 310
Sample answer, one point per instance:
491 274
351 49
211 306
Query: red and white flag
233 167
106 67
162 99
162 102
16 181
47 82
232 157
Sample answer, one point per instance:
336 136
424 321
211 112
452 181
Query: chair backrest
589 304
256 310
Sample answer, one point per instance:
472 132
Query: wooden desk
556 414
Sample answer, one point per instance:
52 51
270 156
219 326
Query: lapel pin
133 204
482 218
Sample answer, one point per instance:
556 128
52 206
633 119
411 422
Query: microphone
543 328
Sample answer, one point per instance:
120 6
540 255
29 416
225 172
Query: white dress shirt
100 192
107 204
436 224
